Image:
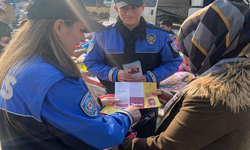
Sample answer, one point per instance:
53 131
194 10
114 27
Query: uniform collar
137 32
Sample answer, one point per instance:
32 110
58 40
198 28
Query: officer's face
70 36
130 15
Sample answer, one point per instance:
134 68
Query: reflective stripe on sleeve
151 74
110 75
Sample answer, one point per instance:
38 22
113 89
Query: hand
134 111
124 77
163 95
73 57
141 79
78 53
109 101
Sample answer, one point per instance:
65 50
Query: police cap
62 9
122 3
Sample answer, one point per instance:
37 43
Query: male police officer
130 39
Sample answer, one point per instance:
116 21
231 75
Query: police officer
130 39
44 103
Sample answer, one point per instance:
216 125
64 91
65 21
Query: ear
59 26
116 9
143 6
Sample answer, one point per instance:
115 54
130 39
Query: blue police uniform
117 45
50 107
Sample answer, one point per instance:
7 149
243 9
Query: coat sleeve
94 61
195 126
170 59
63 108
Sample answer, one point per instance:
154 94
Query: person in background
167 25
5 30
213 111
131 39
83 46
44 102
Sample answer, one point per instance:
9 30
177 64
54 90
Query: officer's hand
109 101
141 79
134 111
124 76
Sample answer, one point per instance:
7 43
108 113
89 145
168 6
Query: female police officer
44 103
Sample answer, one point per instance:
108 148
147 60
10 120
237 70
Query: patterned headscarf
219 31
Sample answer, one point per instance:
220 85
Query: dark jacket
5 30
212 113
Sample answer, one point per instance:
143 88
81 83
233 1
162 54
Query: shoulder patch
90 47
174 49
174 46
172 36
88 105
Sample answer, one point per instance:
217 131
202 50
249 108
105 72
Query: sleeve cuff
111 72
115 75
99 102
131 118
150 77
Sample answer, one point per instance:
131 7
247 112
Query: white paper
136 89
129 93
122 93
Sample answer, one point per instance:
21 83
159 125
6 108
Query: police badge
151 38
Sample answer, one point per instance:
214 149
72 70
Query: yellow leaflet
150 100
110 109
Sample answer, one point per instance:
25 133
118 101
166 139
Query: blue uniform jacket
43 93
110 42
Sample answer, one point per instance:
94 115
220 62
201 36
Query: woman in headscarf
213 111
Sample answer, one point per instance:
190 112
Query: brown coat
215 115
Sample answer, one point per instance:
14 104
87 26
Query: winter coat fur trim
230 86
